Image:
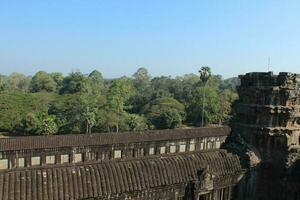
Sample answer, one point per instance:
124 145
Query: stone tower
266 134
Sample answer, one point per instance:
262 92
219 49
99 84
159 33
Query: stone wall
266 134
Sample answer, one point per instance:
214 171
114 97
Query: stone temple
258 157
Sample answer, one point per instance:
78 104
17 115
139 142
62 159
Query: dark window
298 121
205 196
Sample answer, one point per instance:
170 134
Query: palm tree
205 75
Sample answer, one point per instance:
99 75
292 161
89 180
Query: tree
75 82
142 74
142 90
230 84
211 104
90 118
165 113
3 83
58 79
182 86
18 81
96 81
68 111
137 122
205 75
227 98
48 124
96 77
91 103
87 103
39 123
78 113
29 124
161 86
119 92
169 118
42 81
16 104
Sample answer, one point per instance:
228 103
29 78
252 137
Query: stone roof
77 140
107 178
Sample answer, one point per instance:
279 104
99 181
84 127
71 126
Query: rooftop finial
269 61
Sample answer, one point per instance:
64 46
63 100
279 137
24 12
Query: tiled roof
54 141
112 177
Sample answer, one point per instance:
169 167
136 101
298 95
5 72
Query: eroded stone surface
266 134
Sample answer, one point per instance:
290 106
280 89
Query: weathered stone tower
265 133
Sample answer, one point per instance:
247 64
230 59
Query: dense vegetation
49 103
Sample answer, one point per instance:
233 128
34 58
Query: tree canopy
51 103
42 81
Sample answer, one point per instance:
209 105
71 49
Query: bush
39 123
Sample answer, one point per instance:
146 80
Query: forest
51 103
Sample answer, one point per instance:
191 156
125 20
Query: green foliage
58 79
230 84
39 123
142 90
142 75
183 86
161 86
91 104
119 93
67 109
15 105
168 119
96 77
205 74
42 81
17 81
227 97
81 103
89 115
211 105
28 124
137 123
79 112
75 82
48 124
165 113
3 83
96 82
162 103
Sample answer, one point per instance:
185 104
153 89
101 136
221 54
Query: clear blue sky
169 37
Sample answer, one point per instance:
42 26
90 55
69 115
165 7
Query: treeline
49 103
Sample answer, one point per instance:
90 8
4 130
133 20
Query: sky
168 37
